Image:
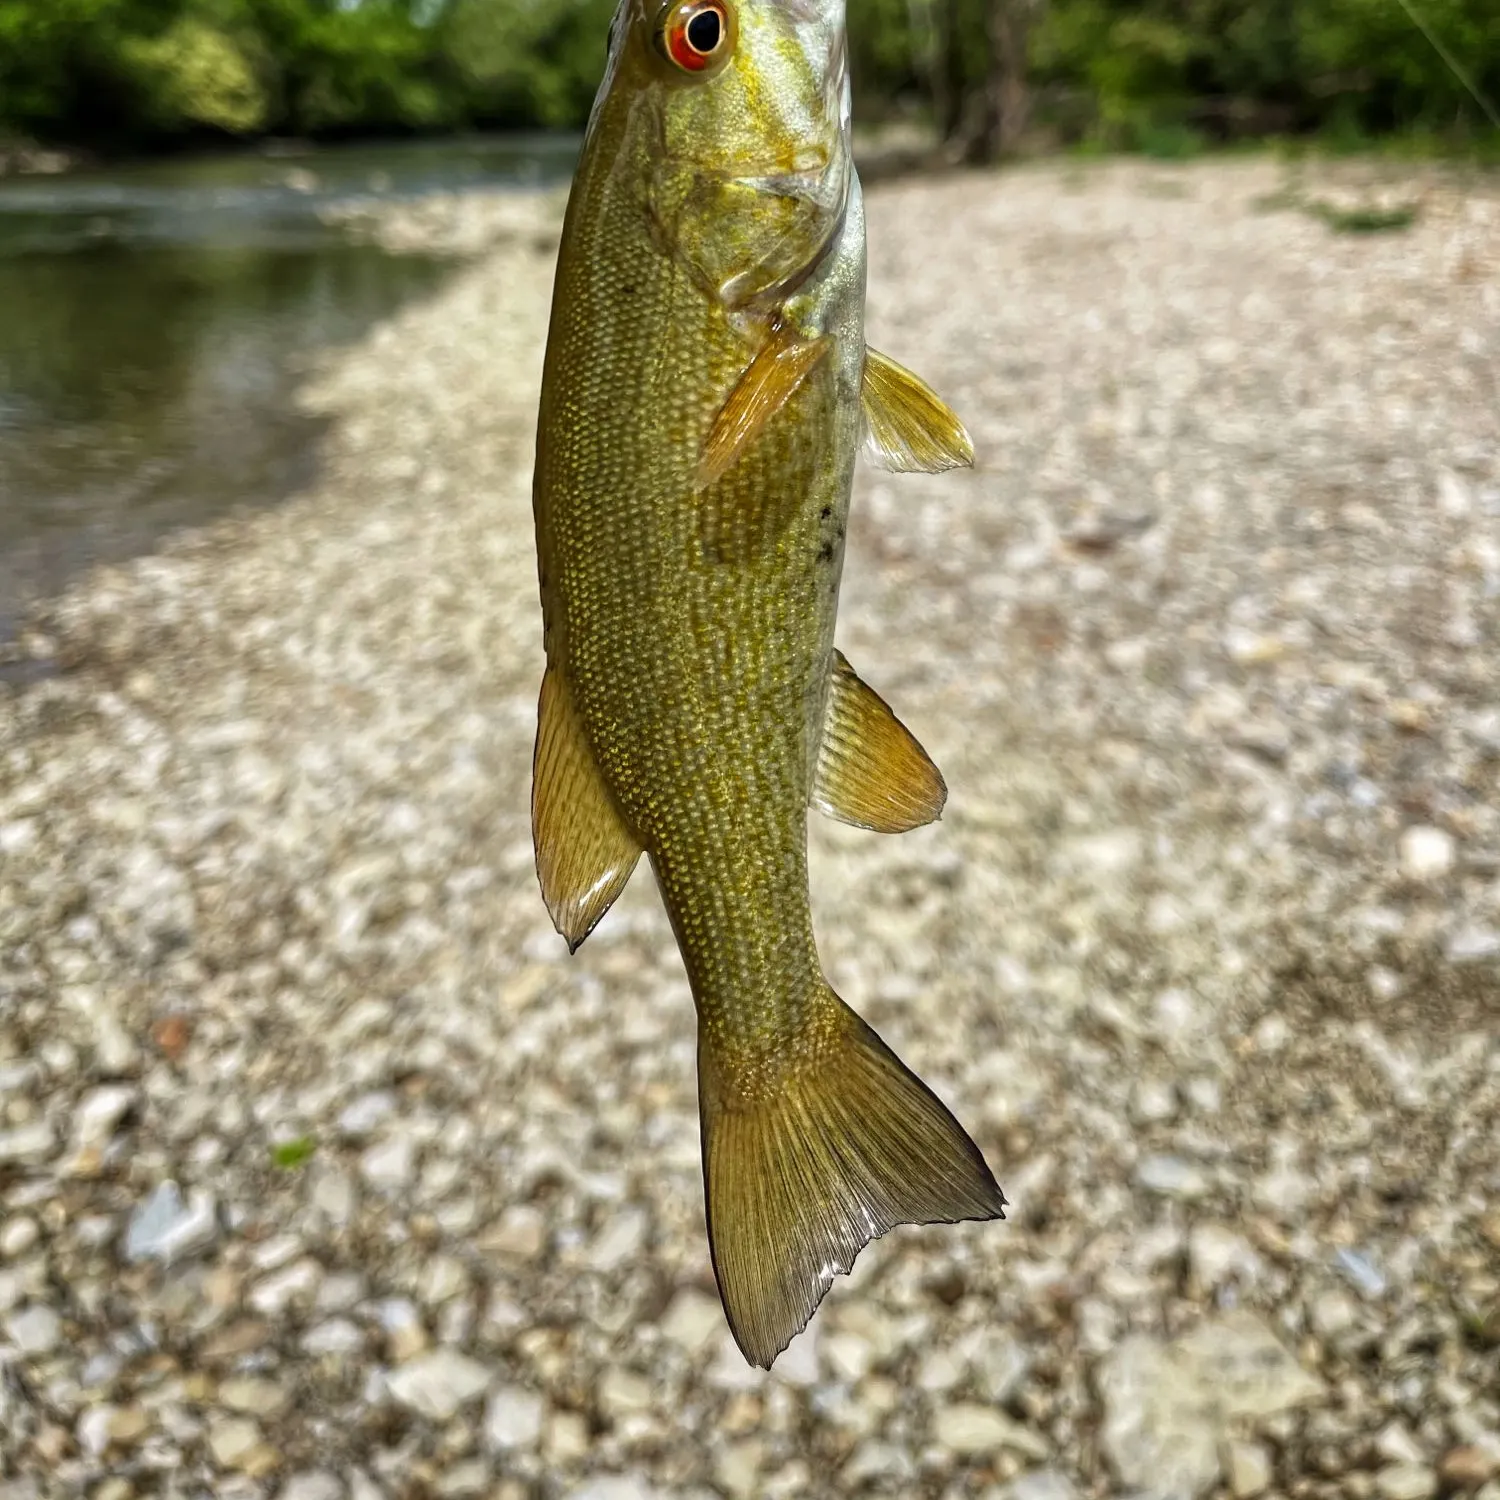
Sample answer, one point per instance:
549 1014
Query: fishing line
1458 72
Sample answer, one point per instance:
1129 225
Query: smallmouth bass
705 392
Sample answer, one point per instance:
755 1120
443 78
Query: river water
154 320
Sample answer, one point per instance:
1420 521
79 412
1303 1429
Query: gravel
323 1169
163 1227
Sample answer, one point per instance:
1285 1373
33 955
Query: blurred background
122 75
326 1174
168 250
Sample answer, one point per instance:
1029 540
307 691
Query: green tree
59 58
527 62
195 75
123 73
342 68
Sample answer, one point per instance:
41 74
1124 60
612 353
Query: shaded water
153 323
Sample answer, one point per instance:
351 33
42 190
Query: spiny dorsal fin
584 851
871 771
785 360
804 1171
908 426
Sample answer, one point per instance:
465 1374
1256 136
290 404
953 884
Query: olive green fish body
701 413
697 625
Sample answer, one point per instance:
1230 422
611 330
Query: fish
706 389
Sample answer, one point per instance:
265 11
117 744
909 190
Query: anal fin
908 426
584 851
871 771
770 380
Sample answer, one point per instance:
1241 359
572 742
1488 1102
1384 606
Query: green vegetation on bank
1160 75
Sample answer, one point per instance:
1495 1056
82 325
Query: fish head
741 113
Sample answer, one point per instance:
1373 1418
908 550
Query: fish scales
701 412
697 681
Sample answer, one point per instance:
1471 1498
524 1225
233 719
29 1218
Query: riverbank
159 316
1205 948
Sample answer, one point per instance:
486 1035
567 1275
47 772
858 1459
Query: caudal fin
801 1176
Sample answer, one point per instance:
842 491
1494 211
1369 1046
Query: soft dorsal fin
871 772
908 426
584 851
785 360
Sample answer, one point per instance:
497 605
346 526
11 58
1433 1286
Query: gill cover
749 108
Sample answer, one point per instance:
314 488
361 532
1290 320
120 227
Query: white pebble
316 1484
1426 853
18 1236
100 1112
1172 1177
29 1143
389 1167
35 1330
437 1385
513 1418
336 1336
231 1440
692 1321
968 1430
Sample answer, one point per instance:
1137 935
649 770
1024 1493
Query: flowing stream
155 319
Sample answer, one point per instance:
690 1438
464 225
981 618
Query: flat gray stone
165 1228
1167 1407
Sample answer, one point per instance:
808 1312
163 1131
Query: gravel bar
325 1174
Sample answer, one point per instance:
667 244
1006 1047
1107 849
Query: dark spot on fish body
825 552
825 513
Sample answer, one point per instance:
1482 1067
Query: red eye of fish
697 34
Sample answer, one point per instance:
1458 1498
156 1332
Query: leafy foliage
1158 75
289 1155
1246 66
527 62
193 75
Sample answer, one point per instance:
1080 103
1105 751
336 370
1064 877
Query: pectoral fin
785 360
584 851
908 426
871 772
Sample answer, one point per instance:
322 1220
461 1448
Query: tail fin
800 1177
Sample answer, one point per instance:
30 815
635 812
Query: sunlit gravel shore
324 1172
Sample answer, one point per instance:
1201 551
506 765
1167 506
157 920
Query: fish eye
697 35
